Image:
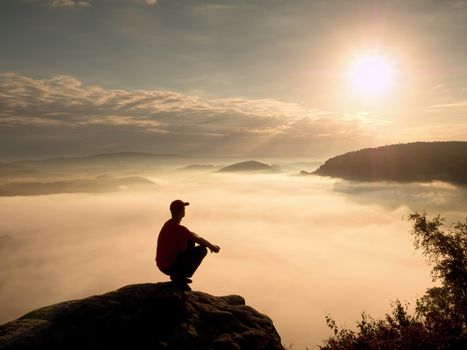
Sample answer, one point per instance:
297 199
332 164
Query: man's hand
214 248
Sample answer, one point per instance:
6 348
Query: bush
440 320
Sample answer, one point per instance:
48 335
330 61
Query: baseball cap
177 205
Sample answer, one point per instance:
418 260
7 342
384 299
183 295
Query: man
177 254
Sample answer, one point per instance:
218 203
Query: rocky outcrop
144 316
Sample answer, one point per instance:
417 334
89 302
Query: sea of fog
296 247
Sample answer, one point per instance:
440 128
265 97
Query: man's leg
194 258
188 262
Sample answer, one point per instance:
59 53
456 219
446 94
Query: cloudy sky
286 78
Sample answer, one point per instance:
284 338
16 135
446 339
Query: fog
296 247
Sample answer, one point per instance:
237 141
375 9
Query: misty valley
317 148
296 246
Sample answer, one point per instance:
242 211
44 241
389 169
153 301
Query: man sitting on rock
177 253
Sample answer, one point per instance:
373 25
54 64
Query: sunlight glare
371 74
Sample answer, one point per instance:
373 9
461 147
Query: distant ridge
248 166
121 164
120 156
100 184
418 161
197 167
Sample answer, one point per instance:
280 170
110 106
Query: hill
144 316
419 161
102 159
198 167
116 164
100 184
248 166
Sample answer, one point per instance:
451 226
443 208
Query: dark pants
187 262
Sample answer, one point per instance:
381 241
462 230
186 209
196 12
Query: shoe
182 286
181 283
185 280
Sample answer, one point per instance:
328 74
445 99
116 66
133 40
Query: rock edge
144 316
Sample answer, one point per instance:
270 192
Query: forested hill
419 161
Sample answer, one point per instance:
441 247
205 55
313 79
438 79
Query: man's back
172 240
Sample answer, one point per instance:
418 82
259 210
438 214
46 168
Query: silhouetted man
177 253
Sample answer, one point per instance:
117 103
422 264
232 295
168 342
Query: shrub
440 319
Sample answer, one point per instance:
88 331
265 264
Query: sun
371 75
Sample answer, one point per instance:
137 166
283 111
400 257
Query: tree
440 320
443 309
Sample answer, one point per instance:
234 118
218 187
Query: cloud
436 196
70 3
212 9
184 123
450 105
82 3
314 250
458 3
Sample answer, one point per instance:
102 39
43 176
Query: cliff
143 316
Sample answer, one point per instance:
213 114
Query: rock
144 316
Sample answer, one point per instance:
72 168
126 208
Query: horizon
217 157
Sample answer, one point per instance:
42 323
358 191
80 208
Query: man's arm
201 241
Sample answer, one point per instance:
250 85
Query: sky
234 78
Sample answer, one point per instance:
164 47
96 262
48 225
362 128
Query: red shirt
172 241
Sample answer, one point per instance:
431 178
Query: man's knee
166 271
202 250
